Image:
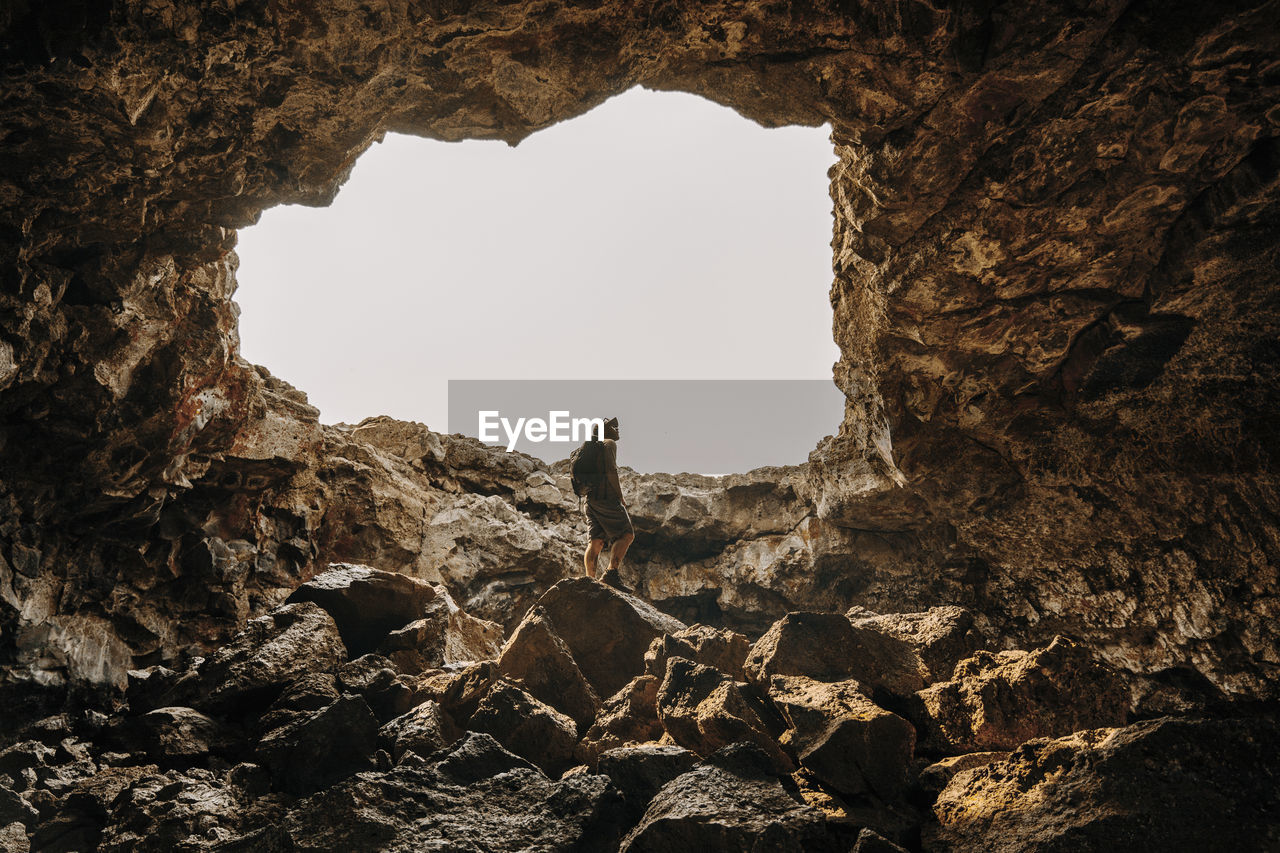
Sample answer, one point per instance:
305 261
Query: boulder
537 657
312 751
171 736
870 841
388 693
477 797
639 772
704 710
997 701
842 737
424 730
607 631
445 635
628 717
458 691
167 811
13 808
366 604
720 648
936 776
13 838
270 652
827 647
941 636
731 803
527 727
1164 784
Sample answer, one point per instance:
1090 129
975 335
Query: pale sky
660 236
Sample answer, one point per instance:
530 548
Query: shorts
609 519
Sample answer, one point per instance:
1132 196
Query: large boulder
828 647
941 636
527 727
1164 784
842 737
607 631
731 803
476 798
704 710
366 603
720 648
540 659
444 635
161 812
997 701
628 717
173 736
640 771
424 730
271 651
313 750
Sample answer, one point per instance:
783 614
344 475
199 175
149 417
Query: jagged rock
731 803
720 648
608 632
1166 784
446 635
537 657
424 730
476 798
457 691
999 700
75 818
628 717
271 651
13 808
639 772
13 839
147 688
941 636
527 727
173 810
366 604
842 737
869 841
175 735
704 710
938 775
389 695
314 750
827 647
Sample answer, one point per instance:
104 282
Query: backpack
587 466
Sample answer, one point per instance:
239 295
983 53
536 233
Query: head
611 429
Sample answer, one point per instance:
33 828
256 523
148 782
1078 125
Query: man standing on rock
607 512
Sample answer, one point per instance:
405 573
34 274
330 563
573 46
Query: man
607 512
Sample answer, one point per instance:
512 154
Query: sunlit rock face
1054 260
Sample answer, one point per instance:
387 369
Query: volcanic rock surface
1054 256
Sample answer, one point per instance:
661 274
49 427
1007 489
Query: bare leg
590 558
619 550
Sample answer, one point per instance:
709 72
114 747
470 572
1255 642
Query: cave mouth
646 239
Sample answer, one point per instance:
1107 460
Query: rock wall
1054 264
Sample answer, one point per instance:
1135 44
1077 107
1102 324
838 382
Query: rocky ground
369 712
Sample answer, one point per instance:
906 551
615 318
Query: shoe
613 579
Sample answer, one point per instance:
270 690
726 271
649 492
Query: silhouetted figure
607 511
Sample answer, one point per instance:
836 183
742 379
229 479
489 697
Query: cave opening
647 239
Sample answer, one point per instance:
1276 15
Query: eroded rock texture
1054 260
1054 263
